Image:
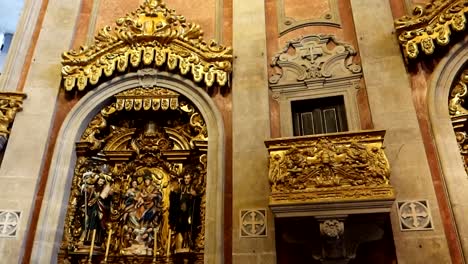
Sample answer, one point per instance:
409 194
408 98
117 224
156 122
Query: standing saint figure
184 214
97 200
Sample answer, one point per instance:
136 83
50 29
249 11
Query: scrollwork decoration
152 36
322 168
459 114
314 57
429 25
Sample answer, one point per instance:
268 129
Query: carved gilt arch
52 217
151 50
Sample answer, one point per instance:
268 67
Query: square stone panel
414 215
9 221
253 223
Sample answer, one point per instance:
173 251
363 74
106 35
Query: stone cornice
430 25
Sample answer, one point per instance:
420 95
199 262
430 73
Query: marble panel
415 250
300 10
244 258
24 147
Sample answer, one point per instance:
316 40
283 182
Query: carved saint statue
184 214
96 191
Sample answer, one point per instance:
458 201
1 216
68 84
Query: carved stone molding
288 24
315 66
414 215
345 171
253 223
10 104
430 23
152 36
315 60
9 222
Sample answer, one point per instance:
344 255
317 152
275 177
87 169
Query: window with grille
319 116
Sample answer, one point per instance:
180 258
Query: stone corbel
341 237
10 104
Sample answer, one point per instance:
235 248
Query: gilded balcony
344 172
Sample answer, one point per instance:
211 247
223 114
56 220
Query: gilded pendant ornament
151 36
329 168
10 104
429 25
139 184
459 114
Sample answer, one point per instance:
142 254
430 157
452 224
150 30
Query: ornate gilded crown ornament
152 36
430 23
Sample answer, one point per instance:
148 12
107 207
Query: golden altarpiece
139 185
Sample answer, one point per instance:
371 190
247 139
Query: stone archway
50 229
456 181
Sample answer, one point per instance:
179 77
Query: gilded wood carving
329 168
138 189
10 104
429 25
152 36
459 114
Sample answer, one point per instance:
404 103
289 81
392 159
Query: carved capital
10 104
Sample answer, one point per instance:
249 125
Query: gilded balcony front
331 168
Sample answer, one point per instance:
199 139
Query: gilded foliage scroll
329 168
429 25
153 36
